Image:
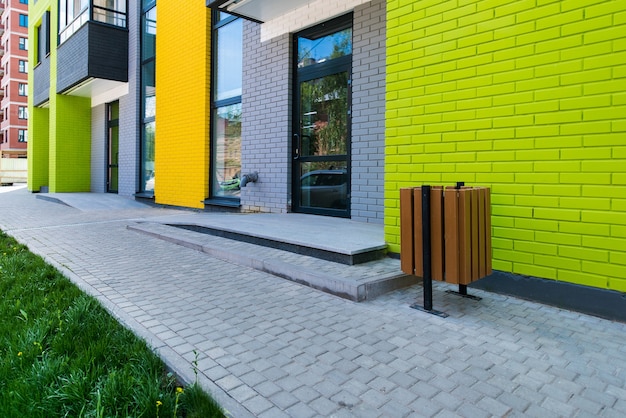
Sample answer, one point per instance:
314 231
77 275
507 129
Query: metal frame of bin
445 235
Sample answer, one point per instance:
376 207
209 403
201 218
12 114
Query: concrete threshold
358 282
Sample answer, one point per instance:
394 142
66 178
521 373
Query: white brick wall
266 126
368 112
98 149
306 16
130 105
267 108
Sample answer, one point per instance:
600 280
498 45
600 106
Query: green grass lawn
63 355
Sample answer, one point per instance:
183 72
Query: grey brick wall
41 80
266 124
130 105
98 149
267 109
368 112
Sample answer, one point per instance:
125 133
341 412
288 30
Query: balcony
93 47
94 51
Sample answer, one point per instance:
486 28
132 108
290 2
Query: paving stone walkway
268 347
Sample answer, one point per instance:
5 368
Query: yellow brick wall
525 97
182 103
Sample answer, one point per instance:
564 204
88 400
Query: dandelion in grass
179 391
158 404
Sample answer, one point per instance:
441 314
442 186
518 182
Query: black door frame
112 123
334 66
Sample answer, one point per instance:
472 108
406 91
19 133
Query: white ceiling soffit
100 91
262 10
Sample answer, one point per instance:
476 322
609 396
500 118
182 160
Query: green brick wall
38 121
59 148
70 144
527 98
38 127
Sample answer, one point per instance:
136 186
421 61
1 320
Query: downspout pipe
249 178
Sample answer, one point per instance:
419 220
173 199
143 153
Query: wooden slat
488 268
465 252
436 232
417 232
451 235
407 262
482 262
474 200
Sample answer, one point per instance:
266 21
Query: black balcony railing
94 13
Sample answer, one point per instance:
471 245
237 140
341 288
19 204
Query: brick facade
368 112
13 73
182 92
266 126
530 101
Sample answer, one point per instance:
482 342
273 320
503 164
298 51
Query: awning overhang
257 10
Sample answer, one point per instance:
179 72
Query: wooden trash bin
460 233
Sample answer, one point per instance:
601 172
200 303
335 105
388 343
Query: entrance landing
332 239
338 256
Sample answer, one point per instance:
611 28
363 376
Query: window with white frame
22 89
22 112
22 135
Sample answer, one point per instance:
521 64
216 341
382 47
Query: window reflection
73 14
148 157
148 92
226 116
227 149
324 105
229 60
318 50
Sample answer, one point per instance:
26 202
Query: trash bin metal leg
427 280
465 231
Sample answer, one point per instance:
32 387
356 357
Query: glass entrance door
321 140
113 141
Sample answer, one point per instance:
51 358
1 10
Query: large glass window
148 95
226 114
75 13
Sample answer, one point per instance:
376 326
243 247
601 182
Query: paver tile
265 346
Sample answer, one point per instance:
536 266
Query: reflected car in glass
325 189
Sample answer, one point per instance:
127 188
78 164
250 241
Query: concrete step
357 282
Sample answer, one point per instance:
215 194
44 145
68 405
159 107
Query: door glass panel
321 129
315 50
113 112
113 158
324 184
324 118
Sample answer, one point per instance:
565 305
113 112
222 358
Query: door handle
298 144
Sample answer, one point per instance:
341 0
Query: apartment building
14 78
329 108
